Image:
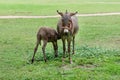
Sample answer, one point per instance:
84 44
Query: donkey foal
47 35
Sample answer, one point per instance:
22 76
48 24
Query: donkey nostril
66 33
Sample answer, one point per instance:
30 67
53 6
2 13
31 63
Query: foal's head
66 20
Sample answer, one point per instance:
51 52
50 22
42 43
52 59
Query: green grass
52 2
97 50
97 44
47 7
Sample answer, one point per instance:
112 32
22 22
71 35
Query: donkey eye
70 21
68 24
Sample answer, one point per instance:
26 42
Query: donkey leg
73 45
70 60
43 49
64 48
55 48
69 49
35 49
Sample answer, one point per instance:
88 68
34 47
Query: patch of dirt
25 13
55 16
86 66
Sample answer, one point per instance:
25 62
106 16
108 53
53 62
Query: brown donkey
67 27
47 35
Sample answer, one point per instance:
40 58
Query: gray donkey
67 28
47 35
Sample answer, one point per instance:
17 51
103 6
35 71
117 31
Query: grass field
48 7
97 51
97 44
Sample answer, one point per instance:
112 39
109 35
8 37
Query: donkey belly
75 24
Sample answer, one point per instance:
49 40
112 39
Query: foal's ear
60 13
71 14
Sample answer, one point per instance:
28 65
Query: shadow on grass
49 56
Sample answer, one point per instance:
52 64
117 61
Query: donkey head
66 21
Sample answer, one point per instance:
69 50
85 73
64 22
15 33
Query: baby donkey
47 35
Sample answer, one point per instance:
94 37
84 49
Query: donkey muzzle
66 30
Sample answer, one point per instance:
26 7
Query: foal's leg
55 48
43 49
35 49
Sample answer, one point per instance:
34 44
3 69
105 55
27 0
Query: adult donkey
67 27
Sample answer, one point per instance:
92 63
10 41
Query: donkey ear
60 13
71 14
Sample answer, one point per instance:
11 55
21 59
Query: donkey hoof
45 60
32 60
63 59
73 53
71 62
56 56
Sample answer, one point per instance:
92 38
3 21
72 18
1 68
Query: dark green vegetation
97 51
